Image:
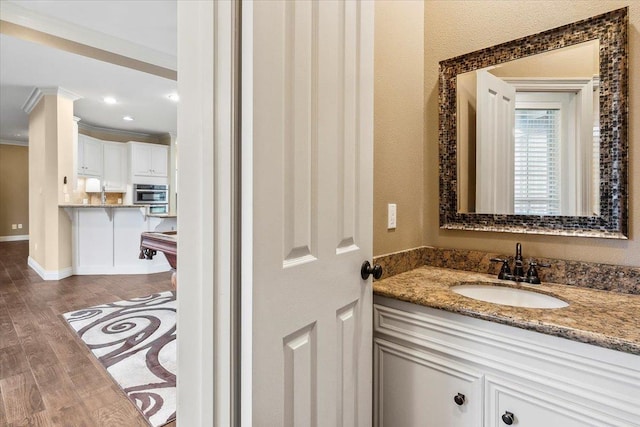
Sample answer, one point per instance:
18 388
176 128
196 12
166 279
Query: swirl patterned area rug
135 340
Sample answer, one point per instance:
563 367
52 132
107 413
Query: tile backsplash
576 273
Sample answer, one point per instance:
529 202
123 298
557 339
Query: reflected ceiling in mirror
533 133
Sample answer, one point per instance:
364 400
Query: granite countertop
603 318
155 215
114 205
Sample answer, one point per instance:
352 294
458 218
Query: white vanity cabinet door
510 402
415 388
115 167
89 156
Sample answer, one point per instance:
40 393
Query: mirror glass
533 133
528 135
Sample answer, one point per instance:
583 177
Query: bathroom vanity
445 359
442 359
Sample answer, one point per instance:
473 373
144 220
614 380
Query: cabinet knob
507 418
459 399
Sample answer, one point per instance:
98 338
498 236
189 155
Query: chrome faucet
518 268
103 196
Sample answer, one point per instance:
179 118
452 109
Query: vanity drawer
509 402
416 388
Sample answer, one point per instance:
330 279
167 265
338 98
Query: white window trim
563 107
583 129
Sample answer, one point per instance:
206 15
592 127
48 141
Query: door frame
207 327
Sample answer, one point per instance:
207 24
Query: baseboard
121 269
14 238
51 274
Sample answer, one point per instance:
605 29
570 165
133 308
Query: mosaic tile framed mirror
533 133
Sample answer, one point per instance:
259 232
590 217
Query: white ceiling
143 30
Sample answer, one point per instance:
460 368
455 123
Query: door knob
459 399
367 270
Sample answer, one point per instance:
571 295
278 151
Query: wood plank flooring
47 376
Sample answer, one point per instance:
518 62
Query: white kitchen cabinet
159 160
149 160
114 176
424 356
89 156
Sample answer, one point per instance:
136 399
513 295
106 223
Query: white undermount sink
508 296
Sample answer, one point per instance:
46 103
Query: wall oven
156 196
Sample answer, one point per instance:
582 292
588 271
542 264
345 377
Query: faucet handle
532 273
505 271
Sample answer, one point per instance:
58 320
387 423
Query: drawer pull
507 418
459 399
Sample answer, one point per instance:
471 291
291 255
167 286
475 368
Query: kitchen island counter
106 238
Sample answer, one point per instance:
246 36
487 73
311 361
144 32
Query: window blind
537 162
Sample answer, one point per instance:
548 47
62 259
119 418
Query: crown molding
131 134
38 92
13 142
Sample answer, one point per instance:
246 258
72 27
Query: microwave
147 194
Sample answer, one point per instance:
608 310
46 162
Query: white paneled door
495 124
307 161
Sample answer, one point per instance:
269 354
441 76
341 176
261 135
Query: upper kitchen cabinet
115 166
148 160
89 156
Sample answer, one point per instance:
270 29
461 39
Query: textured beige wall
398 128
14 189
65 167
36 180
50 159
457 27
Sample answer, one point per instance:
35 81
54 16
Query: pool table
165 242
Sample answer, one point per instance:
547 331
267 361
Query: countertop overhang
603 318
88 206
118 206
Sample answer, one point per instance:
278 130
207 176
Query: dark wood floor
47 376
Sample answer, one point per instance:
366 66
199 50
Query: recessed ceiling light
110 100
173 97
127 118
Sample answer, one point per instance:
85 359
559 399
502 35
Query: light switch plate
391 216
